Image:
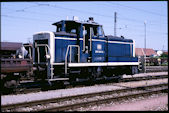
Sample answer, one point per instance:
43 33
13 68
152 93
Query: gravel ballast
10 99
152 103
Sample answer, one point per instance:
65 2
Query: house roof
165 53
147 51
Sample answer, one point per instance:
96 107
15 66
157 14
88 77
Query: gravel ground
145 74
71 101
153 103
9 99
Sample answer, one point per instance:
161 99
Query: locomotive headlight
47 56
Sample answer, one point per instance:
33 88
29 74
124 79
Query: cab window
100 31
59 28
72 27
95 33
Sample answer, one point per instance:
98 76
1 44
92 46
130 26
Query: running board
102 64
57 79
98 64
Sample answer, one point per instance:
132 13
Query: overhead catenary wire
56 6
9 16
138 9
80 11
35 19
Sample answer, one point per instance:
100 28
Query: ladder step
74 71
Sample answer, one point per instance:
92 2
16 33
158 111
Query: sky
137 20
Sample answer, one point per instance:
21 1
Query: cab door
87 44
98 45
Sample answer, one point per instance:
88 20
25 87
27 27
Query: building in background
149 52
153 57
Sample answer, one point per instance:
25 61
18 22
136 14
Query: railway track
24 89
148 77
74 102
156 69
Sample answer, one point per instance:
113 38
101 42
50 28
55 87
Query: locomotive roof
78 22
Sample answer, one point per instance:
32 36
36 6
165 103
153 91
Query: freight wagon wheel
10 86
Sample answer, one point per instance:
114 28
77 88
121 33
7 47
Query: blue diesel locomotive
81 51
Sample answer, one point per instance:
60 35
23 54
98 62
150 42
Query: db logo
99 46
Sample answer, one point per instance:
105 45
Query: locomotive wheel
58 85
119 78
91 81
52 85
134 70
72 79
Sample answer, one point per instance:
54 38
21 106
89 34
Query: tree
164 55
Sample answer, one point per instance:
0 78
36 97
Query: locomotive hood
115 38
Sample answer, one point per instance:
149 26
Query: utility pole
145 46
115 23
163 48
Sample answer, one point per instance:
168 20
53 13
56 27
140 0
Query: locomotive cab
83 33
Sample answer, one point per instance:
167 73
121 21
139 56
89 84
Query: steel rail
148 77
89 95
101 101
157 69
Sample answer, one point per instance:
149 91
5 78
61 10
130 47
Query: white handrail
51 68
84 39
41 45
70 46
30 53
